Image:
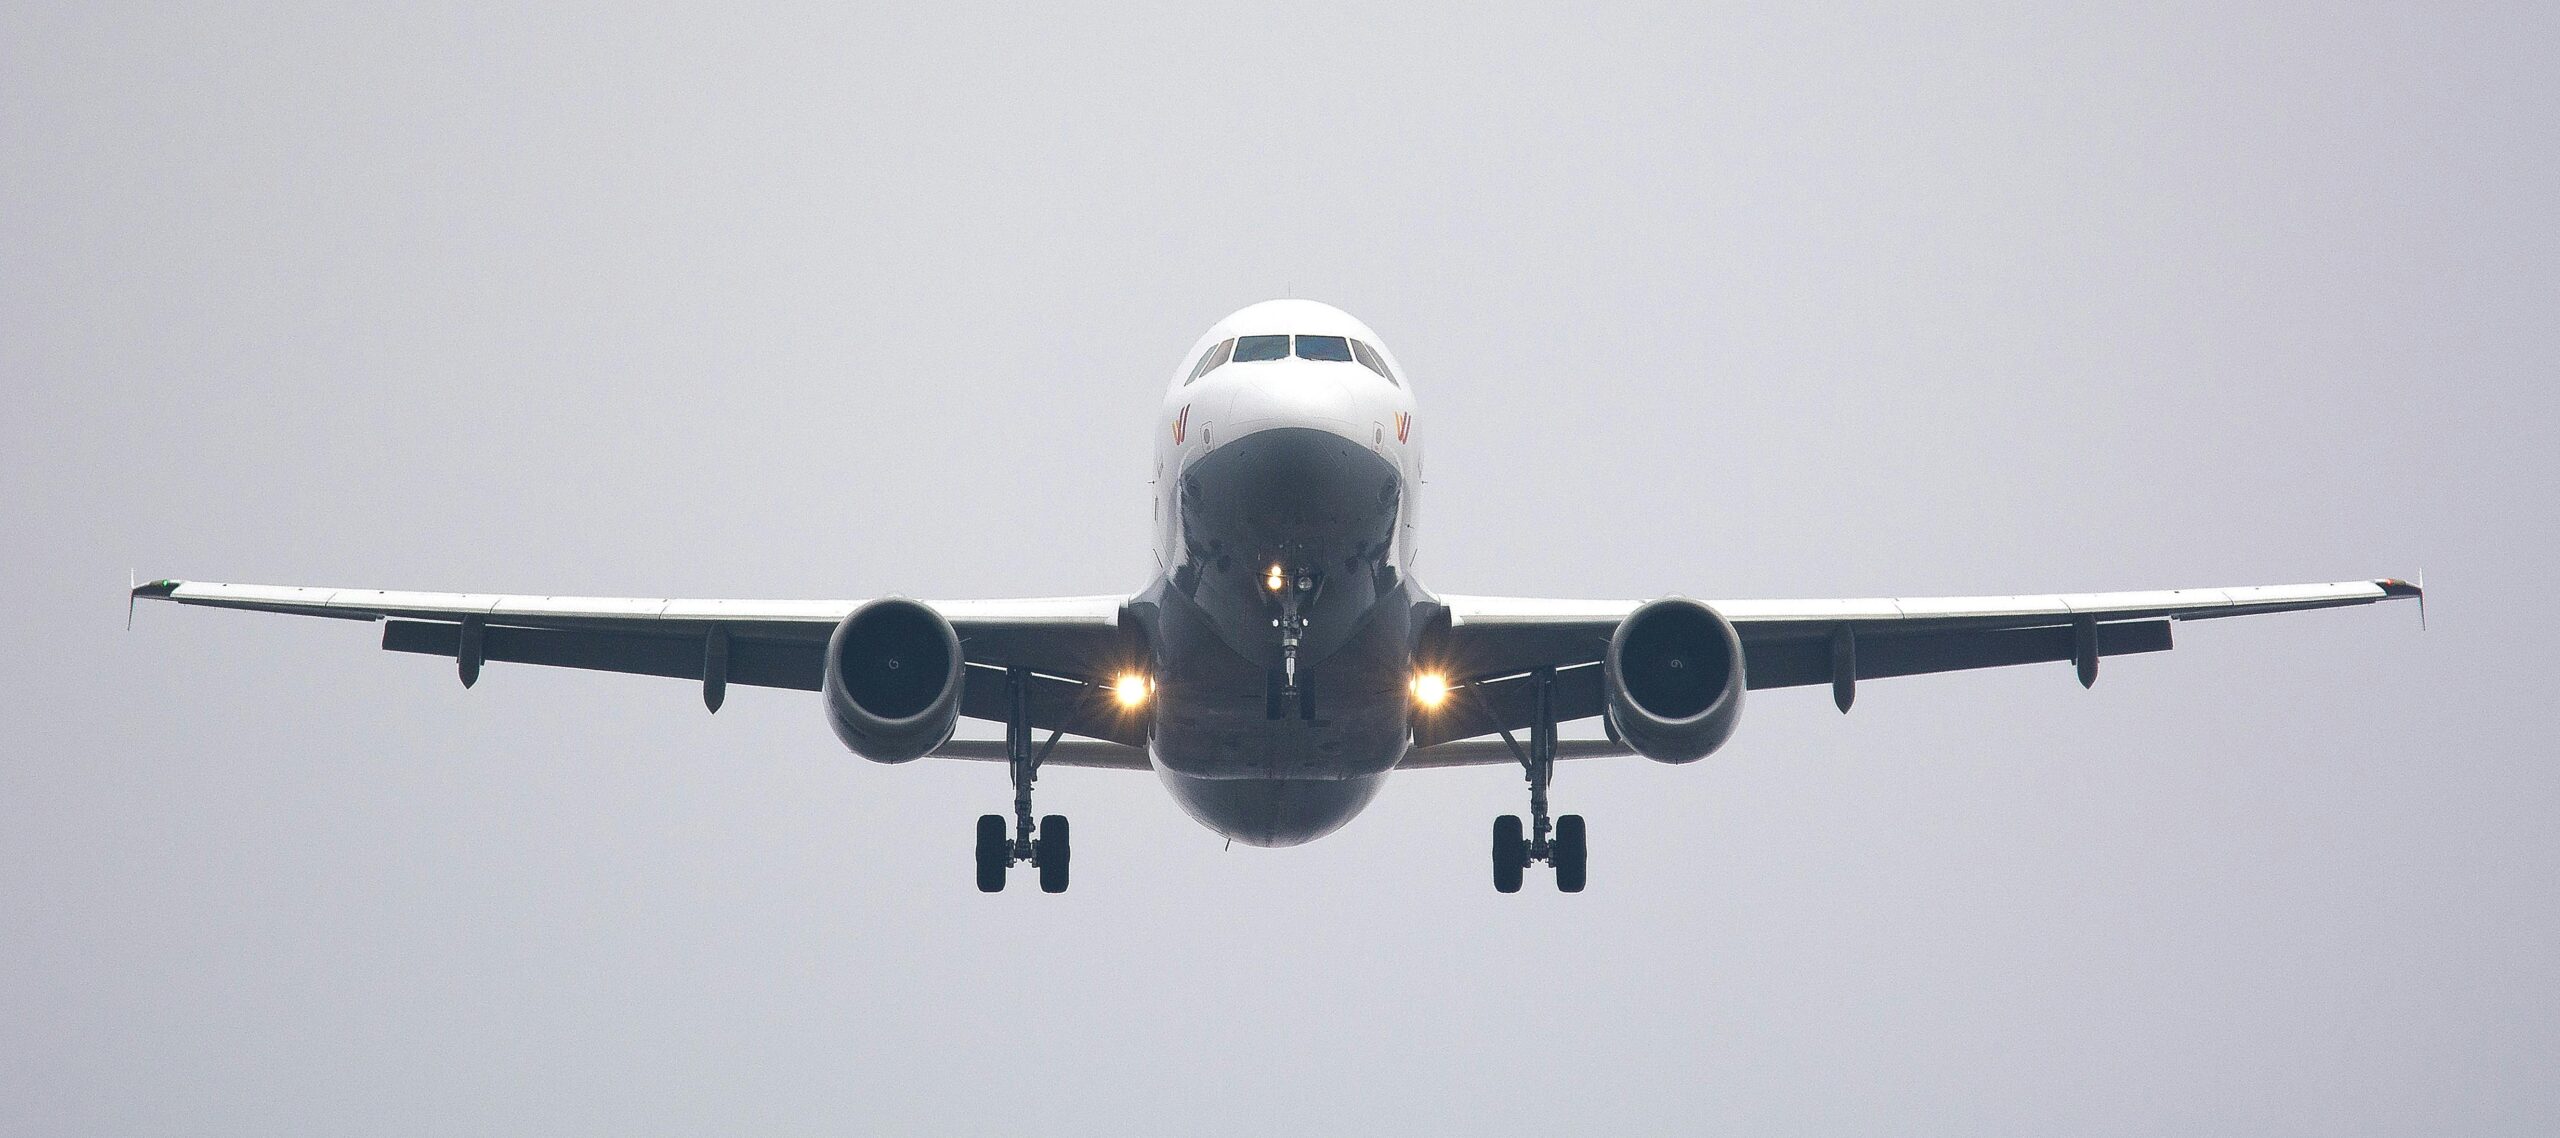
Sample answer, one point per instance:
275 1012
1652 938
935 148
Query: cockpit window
1209 360
1255 349
1370 359
1331 348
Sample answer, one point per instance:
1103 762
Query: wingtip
134 593
2394 587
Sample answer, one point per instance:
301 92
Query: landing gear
1050 851
995 852
1510 854
1571 857
1286 688
1559 843
1044 846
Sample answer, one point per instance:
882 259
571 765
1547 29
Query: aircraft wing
1491 641
1071 644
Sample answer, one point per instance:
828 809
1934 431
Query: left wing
1492 641
1069 643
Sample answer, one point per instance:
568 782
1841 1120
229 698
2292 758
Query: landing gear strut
1044 846
1286 688
1559 843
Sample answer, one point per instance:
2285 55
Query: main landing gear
1045 846
1560 844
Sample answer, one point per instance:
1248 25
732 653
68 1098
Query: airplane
1284 659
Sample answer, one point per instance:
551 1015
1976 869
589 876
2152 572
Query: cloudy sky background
835 301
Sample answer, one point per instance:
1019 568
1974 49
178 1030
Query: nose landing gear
1295 591
1044 846
1560 843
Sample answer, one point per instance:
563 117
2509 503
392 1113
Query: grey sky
828 301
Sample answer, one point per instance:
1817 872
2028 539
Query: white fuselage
1234 400
1283 620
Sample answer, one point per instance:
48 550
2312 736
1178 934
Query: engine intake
894 674
1675 680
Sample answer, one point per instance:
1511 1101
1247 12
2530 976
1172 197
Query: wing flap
1797 661
1507 703
759 663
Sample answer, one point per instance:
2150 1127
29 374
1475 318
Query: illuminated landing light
1430 689
1132 689
1276 580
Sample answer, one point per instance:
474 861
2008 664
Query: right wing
1071 644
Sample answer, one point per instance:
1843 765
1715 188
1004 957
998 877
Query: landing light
1277 580
1430 689
1132 689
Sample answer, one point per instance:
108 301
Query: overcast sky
834 302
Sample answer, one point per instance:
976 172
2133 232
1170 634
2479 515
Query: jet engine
1675 680
893 680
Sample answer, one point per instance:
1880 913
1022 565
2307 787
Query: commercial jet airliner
1284 659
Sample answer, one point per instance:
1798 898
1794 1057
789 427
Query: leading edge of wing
809 617
2176 604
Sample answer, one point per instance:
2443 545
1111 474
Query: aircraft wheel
994 852
1052 844
1510 853
1572 856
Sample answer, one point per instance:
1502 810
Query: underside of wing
1068 644
1492 643
1504 753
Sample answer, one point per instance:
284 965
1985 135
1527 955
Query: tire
994 851
1510 853
1573 859
1054 851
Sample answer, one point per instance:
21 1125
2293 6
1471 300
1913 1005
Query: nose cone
1296 393
1272 811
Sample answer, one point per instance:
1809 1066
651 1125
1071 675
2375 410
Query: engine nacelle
894 673
1675 680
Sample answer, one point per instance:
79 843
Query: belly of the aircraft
1283 780
1216 718
1246 756
1272 811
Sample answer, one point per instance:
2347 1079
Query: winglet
129 599
153 590
2395 587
